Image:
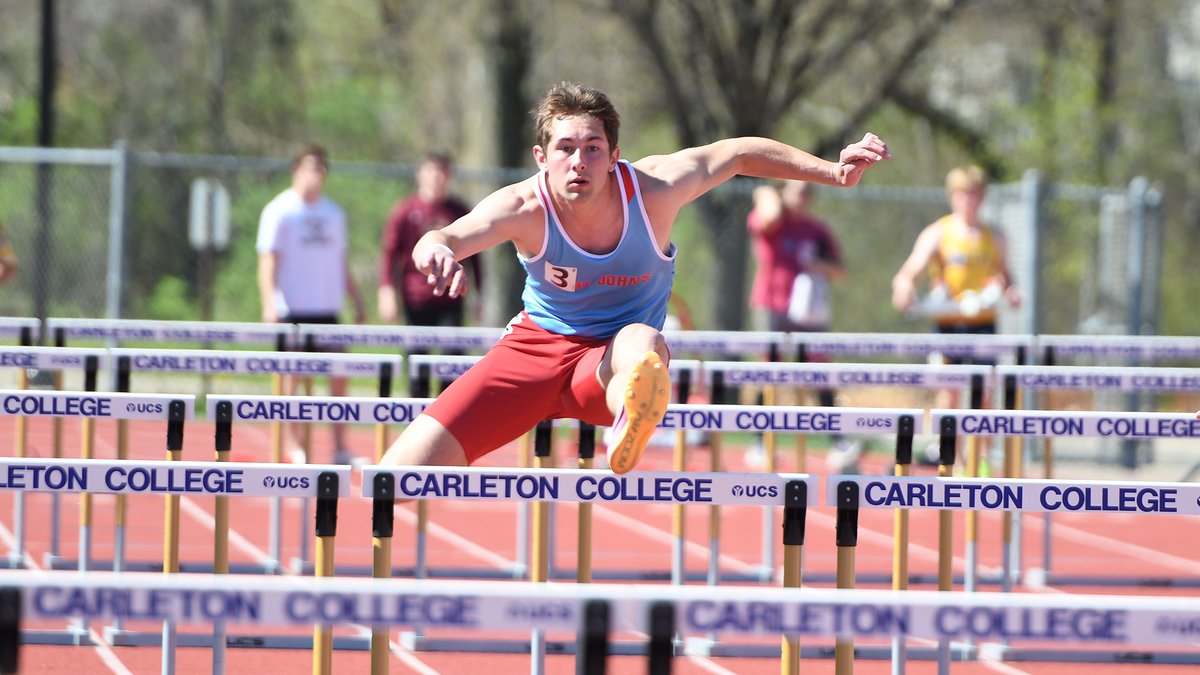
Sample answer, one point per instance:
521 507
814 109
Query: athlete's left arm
683 176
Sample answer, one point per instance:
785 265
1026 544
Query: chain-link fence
1086 258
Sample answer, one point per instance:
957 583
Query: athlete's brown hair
567 99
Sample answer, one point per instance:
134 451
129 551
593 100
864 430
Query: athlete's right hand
445 274
903 293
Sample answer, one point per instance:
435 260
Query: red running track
471 534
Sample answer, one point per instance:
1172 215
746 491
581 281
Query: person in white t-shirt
303 275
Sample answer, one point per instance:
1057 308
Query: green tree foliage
1087 92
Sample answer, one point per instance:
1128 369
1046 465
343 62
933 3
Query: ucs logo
286 482
755 490
548 610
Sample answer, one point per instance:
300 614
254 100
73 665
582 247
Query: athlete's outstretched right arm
904 290
505 215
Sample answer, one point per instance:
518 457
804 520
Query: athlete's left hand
858 157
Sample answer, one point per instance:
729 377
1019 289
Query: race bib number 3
563 277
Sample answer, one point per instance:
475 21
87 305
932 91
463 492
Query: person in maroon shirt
789 241
431 207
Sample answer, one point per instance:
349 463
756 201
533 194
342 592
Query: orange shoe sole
646 397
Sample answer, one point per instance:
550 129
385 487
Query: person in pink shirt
797 258
788 241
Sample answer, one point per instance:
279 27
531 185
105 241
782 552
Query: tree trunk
724 219
505 62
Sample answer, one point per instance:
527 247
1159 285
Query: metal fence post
118 199
1135 198
1031 276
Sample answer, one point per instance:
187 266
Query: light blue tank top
572 292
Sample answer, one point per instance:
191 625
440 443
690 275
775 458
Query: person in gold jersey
966 262
965 258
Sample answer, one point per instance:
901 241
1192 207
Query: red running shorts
530 375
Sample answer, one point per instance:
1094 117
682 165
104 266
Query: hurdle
725 344
841 375
1028 495
91 406
1128 347
584 487
42 358
682 373
1130 350
1131 622
988 348
325 409
787 419
172 478
275 364
114 332
1136 349
913 345
144 330
27 330
426 371
1093 378
408 339
398 337
56 427
1040 423
334 410
682 418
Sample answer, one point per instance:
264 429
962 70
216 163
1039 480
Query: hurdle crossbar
40 358
822 375
27 330
1152 347
725 343
398 337
1096 378
167 331
520 606
912 345
1046 423
211 361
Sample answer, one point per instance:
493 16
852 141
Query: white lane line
209 522
103 650
107 655
662 535
991 663
410 659
469 547
1123 548
885 540
705 663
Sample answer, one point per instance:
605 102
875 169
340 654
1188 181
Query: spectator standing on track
8 257
594 235
966 261
431 207
303 273
798 256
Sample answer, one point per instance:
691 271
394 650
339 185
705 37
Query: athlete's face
308 177
577 158
795 195
966 203
432 180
